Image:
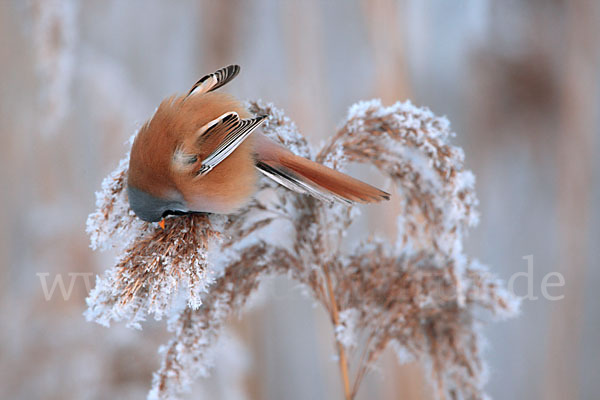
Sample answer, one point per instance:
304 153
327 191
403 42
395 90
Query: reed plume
421 295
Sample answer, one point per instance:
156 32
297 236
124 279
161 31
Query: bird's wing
215 80
226 133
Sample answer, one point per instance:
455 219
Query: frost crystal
422 294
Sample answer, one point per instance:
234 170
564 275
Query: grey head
151 208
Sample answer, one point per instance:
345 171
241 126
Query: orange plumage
198 153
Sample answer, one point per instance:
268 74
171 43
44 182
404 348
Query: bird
202 152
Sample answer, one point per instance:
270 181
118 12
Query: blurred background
519 81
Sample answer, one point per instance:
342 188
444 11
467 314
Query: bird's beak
162 224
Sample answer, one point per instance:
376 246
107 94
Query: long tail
305 176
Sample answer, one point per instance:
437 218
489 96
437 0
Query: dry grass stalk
422 295
335 319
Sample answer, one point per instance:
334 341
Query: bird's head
151 182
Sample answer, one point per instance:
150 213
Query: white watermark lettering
546 284
59 281
530 279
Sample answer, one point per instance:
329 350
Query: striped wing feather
215 80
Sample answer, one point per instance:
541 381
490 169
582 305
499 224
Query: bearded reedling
198 153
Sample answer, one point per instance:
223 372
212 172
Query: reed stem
343 362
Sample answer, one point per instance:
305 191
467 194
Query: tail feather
305 176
